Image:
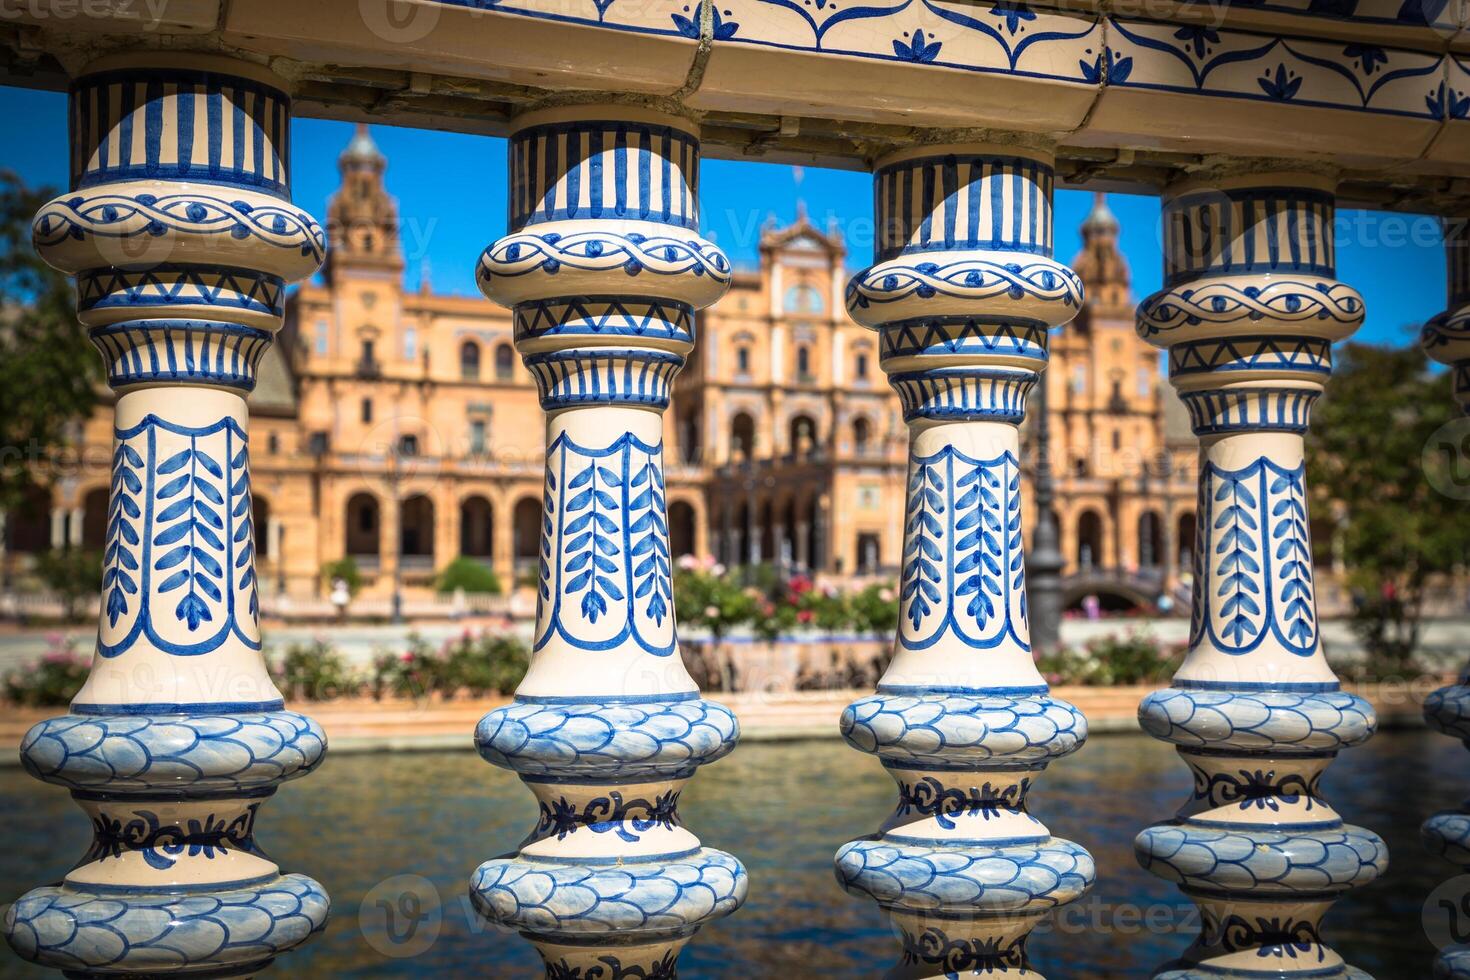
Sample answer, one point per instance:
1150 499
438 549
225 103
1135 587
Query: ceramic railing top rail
1379 88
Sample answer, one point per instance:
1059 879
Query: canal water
362 822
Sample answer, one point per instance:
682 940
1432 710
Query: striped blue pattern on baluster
1255 230
181 351
1221 411
991 394
962 203
167 124
611 376
604 170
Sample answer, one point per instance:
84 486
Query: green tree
1366 460
468 574
72 574
48 370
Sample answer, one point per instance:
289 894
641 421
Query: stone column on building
604 268
1248 313
58 528
962 295
74 527
1446 339
820 561
757 530
181 234
803 546
728 546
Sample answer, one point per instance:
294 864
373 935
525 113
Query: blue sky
452 198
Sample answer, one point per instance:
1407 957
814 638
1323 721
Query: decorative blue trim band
209 352
940 336
1221 302
1249 230
595 170
1269 687
605 316
180 537
608 698
1305 355
601 250
963 690
282 226
180 125
975 278
197 708
963 203
181 285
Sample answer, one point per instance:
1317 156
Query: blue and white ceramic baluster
1446 339
180 231
1249 311
962 295
604 267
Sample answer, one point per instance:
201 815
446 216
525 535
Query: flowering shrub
314 672
712 597
476 663
707 595
51 681
1136 658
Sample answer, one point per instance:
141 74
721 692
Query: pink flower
711 612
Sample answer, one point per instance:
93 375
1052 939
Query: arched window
505 360
742 437
861 435
803 362
742 360
469 361
802 436
1089 540
408 445
860 367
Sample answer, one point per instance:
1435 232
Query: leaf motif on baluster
650 534
1014 546
1237 550
191 528
119 563
547 528
981 544
921 554
1293 552
590 541
243 516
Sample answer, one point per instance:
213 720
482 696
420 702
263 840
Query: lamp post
1045 561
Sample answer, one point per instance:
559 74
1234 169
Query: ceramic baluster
181 234
1249 311
962 295
604 268
1446 339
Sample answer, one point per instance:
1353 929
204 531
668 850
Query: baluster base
210 932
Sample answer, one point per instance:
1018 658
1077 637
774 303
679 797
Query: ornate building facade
394 426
